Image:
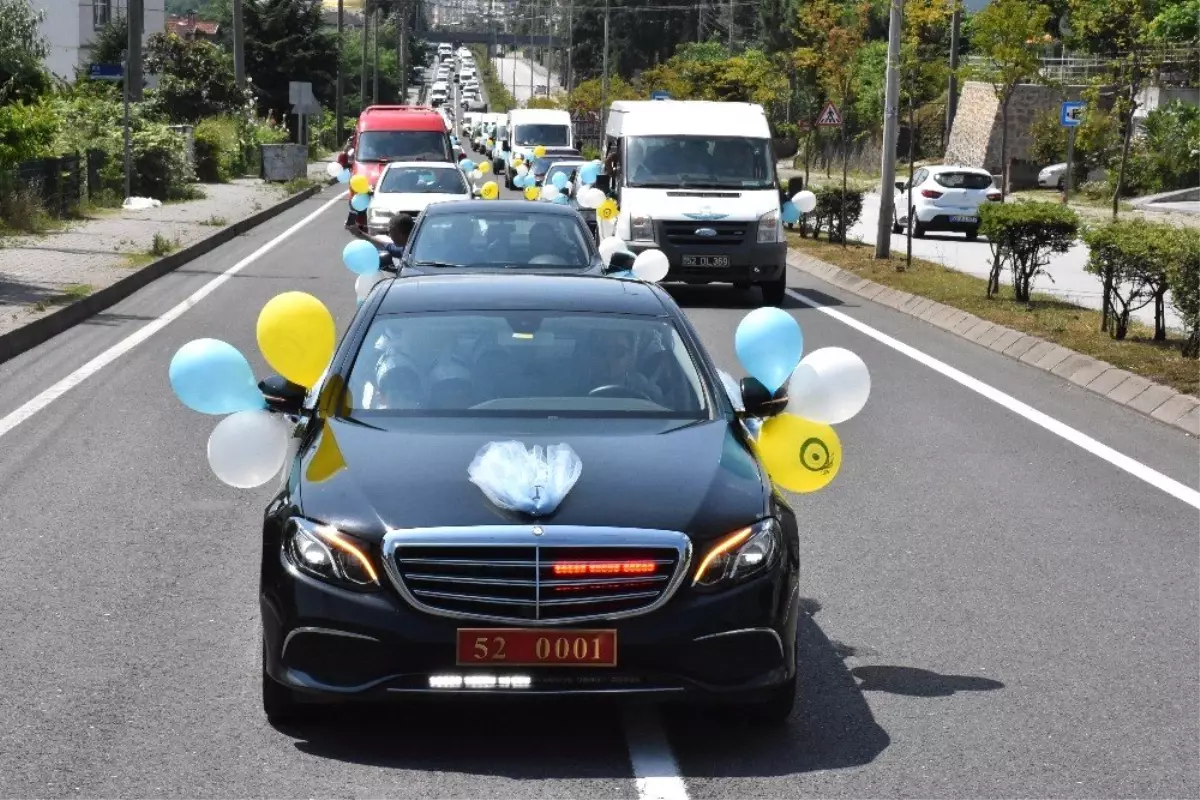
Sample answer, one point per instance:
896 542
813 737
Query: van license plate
964 219
706 261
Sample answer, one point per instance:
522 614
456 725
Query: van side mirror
604 183
620 261
282 395
760 403
505 146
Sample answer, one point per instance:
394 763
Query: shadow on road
919 682
720 295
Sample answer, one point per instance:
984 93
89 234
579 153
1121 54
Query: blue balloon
466 165
588 173
790 212
768 342
559 180
521 181
360 257
344 176
360 202
213 377
562 199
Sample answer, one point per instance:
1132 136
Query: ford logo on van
709 232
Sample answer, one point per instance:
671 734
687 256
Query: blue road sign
105 72
660 94
1072 113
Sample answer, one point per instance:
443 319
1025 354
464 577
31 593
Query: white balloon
609 246
365 283
549 191
829 385
334 169
522 170
476 174
806 201
591 198
248 448
651 266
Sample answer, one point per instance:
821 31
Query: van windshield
402 146
717 162
549 135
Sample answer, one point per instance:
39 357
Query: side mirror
620 261
282 395
759 402
505 146
603 183
902 185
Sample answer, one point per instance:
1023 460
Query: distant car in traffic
409 187
570 168
944 198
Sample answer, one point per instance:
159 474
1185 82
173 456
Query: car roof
517 206
957 168
400 118
515 292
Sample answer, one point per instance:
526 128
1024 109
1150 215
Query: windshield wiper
441 265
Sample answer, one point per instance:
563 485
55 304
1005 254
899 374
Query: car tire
896 226
918 228
773 293
279 702
972 234
1062 183
774 709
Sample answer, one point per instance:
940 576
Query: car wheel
774 709
279 702
1062 183
896 226
918 228
774 292
972 234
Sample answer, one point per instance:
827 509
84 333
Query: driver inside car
614 364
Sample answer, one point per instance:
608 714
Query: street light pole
239 45
887 185
339 120
362 77
952 95
570 76
375 59
604 77
133 44
532 51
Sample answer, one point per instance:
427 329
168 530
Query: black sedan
501 236
670 569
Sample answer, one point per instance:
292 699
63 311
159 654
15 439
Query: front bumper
749 261
949 219
333 644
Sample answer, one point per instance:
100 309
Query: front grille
510 574
683 233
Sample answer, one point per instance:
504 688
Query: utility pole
730 27
239 44
362 78
532 51
375 59
887 185
339 123
570 76
133 44
604 80
952 96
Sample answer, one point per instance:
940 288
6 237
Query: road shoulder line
1161 403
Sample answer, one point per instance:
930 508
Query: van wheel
774 292
972 234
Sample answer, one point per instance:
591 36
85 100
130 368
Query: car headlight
769 229
327 553
739 556
641 229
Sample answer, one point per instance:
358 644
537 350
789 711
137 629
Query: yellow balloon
359 184
328 460
491 143
539 151
518 162
485 167
297 335
532 192
607 210
489 191
800 455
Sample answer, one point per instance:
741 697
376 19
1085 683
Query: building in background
70 27
187 26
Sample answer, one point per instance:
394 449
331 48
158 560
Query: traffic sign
660 94
105 72
1071 114
830 118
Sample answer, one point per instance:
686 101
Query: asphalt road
994 611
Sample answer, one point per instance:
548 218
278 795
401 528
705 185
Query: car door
903 199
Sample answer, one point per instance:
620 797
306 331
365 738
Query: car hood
412 202
698 478
704 205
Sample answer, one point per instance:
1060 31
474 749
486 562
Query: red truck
395 133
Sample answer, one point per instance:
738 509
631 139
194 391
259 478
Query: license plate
533 647
706 261
964 219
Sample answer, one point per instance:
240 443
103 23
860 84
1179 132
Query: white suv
944 198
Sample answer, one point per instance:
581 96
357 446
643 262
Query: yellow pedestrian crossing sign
830 118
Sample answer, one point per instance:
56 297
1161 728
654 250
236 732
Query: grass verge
1046 317
298 185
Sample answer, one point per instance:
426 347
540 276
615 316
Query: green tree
22 50
1004 33
286 40
197 79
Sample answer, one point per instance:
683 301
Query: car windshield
402 146
567 169
423 180
549 135
733 162
527 364
502 240
541 165
963 180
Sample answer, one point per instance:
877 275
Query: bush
828 213
1183 276
1166 157
218 150
1131 258
26 132
1024 236
160 166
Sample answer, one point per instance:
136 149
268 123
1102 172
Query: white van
696 180
529 127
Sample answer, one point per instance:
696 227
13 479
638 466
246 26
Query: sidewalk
40 273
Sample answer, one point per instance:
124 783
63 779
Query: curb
16 342
1124 388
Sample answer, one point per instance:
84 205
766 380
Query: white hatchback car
944 198
407 187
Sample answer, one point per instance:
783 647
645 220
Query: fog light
445 681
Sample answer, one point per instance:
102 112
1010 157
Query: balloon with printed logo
550 193
539 151
806 201
248 448
789 213
359 184
296 335
531 193
829 385
607 211
559 180
489 191
360 202
651 266
485 167
610 245
360 257
366 282
800 455
333 169
768 342
213 377
476 174
588 173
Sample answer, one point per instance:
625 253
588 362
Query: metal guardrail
1072 68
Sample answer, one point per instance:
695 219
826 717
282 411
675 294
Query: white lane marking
122 347
1119 460
654 768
